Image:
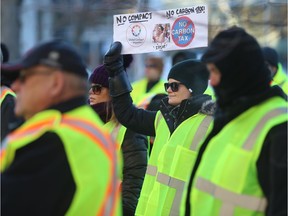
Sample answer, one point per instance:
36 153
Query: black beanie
192 73
270 55
240 61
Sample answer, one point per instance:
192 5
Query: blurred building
88 24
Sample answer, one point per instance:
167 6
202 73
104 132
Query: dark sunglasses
174 86
96 89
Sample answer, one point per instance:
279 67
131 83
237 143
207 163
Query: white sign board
175 29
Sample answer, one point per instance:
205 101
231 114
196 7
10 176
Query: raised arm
138 120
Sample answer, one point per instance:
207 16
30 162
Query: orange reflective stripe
5 91
108 206
2 154
30 129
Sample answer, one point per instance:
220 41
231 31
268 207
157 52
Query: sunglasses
174 86
96 89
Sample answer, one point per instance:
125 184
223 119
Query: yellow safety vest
6 91
88 148
139 89
170 164
226 182
281 79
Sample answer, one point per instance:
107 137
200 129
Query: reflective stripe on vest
115 132
5 91
249 143
231 199
177 183
203 127
109 205
173 183
18 134
151 170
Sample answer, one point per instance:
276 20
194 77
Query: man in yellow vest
178 127
279 76
241 168
59 162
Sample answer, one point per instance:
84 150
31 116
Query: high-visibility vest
281 79
170 165
87 147
6 91
226 182
117 132
139 89
145 100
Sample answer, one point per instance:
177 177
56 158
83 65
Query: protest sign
174 29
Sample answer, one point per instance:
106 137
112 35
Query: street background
88 24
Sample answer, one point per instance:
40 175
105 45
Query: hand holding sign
175 29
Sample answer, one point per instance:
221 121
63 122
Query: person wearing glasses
179 126
134 146
59 161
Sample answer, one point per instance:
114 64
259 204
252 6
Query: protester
146 88
180 124
59 162
241 167
133 145
279 77
9 121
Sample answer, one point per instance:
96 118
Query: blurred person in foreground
59 162
241 167
181 122
279 76
134 146
9 121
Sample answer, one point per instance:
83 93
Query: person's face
33 90
98 94
176 96
215 75
159 30
152 72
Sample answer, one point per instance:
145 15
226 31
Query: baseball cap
55 54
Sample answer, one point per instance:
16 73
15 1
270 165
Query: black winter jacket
142 121
272 162
135 155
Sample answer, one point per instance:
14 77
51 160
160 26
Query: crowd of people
208 139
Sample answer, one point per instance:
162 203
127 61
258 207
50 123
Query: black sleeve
272 170
135 153
39 180
9 121
138 120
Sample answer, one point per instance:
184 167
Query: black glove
113 60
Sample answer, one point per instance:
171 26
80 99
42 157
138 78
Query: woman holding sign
178 127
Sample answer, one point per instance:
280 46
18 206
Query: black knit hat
240 61
270 55
56 54
192 73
